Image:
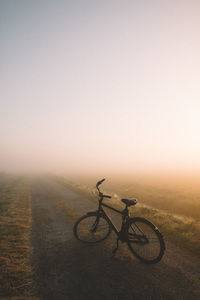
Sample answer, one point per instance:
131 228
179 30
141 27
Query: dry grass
182 231
180 200
15 276
68 210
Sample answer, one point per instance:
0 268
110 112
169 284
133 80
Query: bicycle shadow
72 270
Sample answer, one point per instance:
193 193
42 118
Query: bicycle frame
124 213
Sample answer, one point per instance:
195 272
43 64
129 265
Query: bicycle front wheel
92 228
145 241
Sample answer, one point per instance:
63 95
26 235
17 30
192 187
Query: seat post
125 213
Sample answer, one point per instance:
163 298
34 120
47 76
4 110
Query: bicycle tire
91 228
145 241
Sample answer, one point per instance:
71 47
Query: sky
94 86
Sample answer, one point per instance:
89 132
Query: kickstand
115 250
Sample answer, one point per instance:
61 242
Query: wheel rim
144 240
92 229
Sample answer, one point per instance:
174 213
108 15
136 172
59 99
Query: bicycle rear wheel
92 228
145 241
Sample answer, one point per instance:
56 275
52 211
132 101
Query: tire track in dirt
66 269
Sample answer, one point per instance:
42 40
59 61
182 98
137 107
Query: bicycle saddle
129 202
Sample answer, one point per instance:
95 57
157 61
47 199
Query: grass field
183 200
175 211
15 276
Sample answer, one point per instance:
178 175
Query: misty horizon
100 87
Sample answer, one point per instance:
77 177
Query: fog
100 87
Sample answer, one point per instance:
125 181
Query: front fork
96 223
94 226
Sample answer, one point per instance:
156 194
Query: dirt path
66 269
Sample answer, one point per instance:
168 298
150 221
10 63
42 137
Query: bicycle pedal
113 254
114 251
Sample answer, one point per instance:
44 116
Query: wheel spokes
144 241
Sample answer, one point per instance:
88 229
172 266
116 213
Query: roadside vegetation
183 200
15 275
177 217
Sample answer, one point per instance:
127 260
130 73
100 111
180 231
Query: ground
63 268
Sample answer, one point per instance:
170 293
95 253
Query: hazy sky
100 84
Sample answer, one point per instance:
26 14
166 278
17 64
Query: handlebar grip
100 182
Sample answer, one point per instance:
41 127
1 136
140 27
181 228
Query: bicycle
142 237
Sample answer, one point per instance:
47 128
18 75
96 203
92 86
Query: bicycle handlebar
100 193
100 182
